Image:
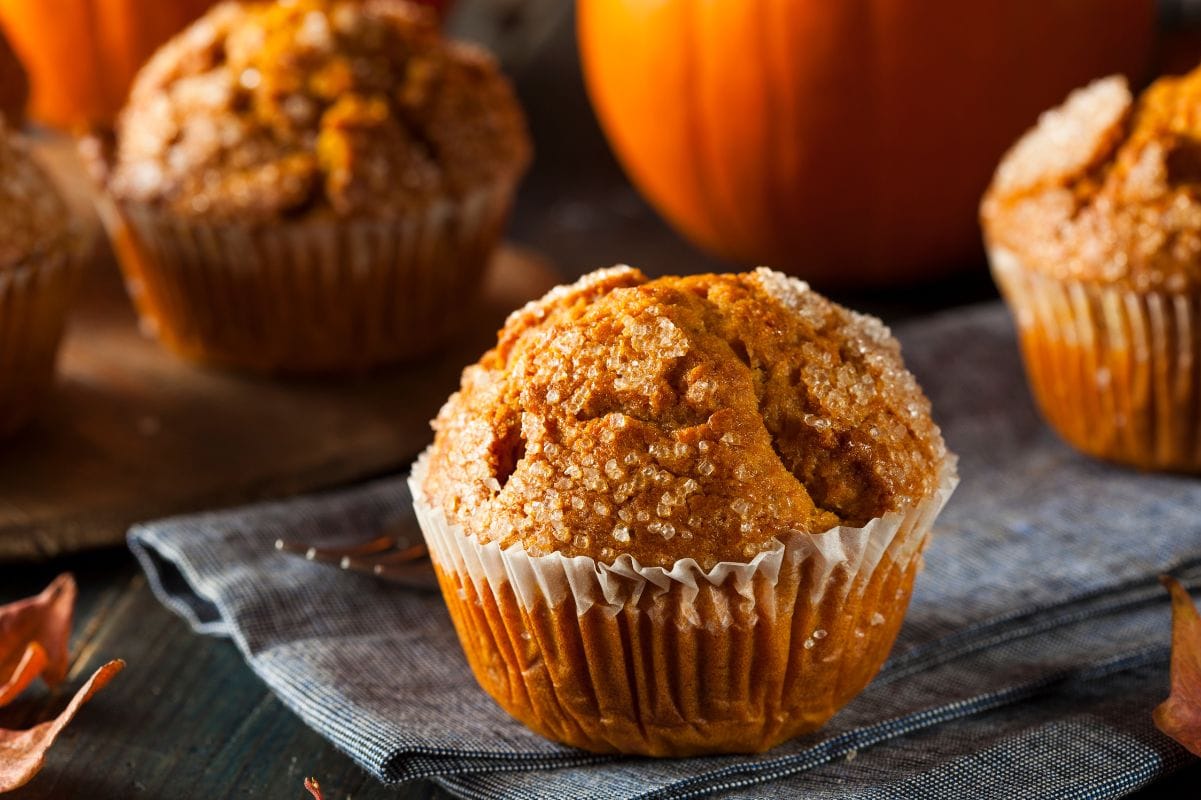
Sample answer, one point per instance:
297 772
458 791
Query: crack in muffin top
697 417
1107 189
356 107
33 216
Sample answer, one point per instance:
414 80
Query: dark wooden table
187 718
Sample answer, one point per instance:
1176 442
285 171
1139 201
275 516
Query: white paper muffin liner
1115 371
320 294
34 298
628 658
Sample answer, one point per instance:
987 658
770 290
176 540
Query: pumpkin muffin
681 516
312 185
1093 227
38 270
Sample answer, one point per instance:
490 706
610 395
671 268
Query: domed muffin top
359 107
33 216
694 417
1107 189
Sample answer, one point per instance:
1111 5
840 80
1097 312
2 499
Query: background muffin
630 503
38 267
1093 224
313 184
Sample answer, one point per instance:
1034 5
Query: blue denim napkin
1035 647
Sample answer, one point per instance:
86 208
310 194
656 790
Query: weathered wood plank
133 433
186 719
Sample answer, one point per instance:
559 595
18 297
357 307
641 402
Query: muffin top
1107 189
355 107
691 417
33 216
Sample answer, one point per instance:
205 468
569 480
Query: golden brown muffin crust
684 417
358 107
33 216
1107 189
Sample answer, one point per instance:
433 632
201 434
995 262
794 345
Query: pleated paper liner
34 298
322 294
642 660
1115 371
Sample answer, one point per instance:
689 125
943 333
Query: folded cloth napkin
1035 647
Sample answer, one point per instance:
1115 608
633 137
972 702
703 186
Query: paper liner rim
687 570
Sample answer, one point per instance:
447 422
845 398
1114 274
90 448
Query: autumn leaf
314 788
1180 715
22 753
34 635
32 662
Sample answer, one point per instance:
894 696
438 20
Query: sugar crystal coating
1106 188
33 215
692 417
262 109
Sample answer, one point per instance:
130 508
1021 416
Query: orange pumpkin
82 55
846 142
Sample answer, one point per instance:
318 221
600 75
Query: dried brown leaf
1180 715
22 753
31 664
45 621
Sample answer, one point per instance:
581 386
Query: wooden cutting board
132 433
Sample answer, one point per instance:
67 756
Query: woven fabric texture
1035 647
